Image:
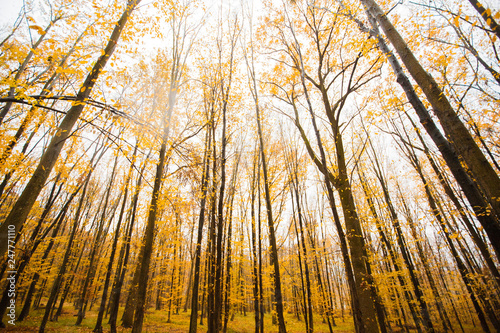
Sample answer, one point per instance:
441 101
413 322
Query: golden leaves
38 29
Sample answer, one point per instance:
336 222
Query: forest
250 166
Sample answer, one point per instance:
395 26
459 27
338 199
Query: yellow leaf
38 29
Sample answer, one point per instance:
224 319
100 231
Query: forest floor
157 321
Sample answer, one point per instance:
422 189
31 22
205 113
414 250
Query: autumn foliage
266 166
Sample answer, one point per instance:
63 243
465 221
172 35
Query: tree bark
490 221
193 323
26 200
123 267
255 275
454 129
100 315
95 249
62 269
487 17
417 289
464 272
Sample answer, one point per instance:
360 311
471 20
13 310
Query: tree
249 58
321 80
185 146
21 209
453 127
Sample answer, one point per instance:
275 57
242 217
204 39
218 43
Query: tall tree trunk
64 264
123 266
454 129
464 272
148 239
270 221
417 289
193 323
490 221
388 246
364 312
92 268
212 235
255 274
26 200
215 325
362 304
308 311
259 229
227 289
100 315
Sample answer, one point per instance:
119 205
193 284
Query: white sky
10 10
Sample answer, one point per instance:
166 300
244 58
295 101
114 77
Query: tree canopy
313 166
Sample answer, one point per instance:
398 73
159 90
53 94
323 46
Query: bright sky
9 10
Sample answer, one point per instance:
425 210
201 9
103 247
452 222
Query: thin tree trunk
100 315
67 288
308 311
272 236
35 233
259 228
37 239
95 249
306 289
212 234
227 289
363 310
254 246
123 267
464 272
392 253
417 289
24 64
215 324
365 318
64 264
197 257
